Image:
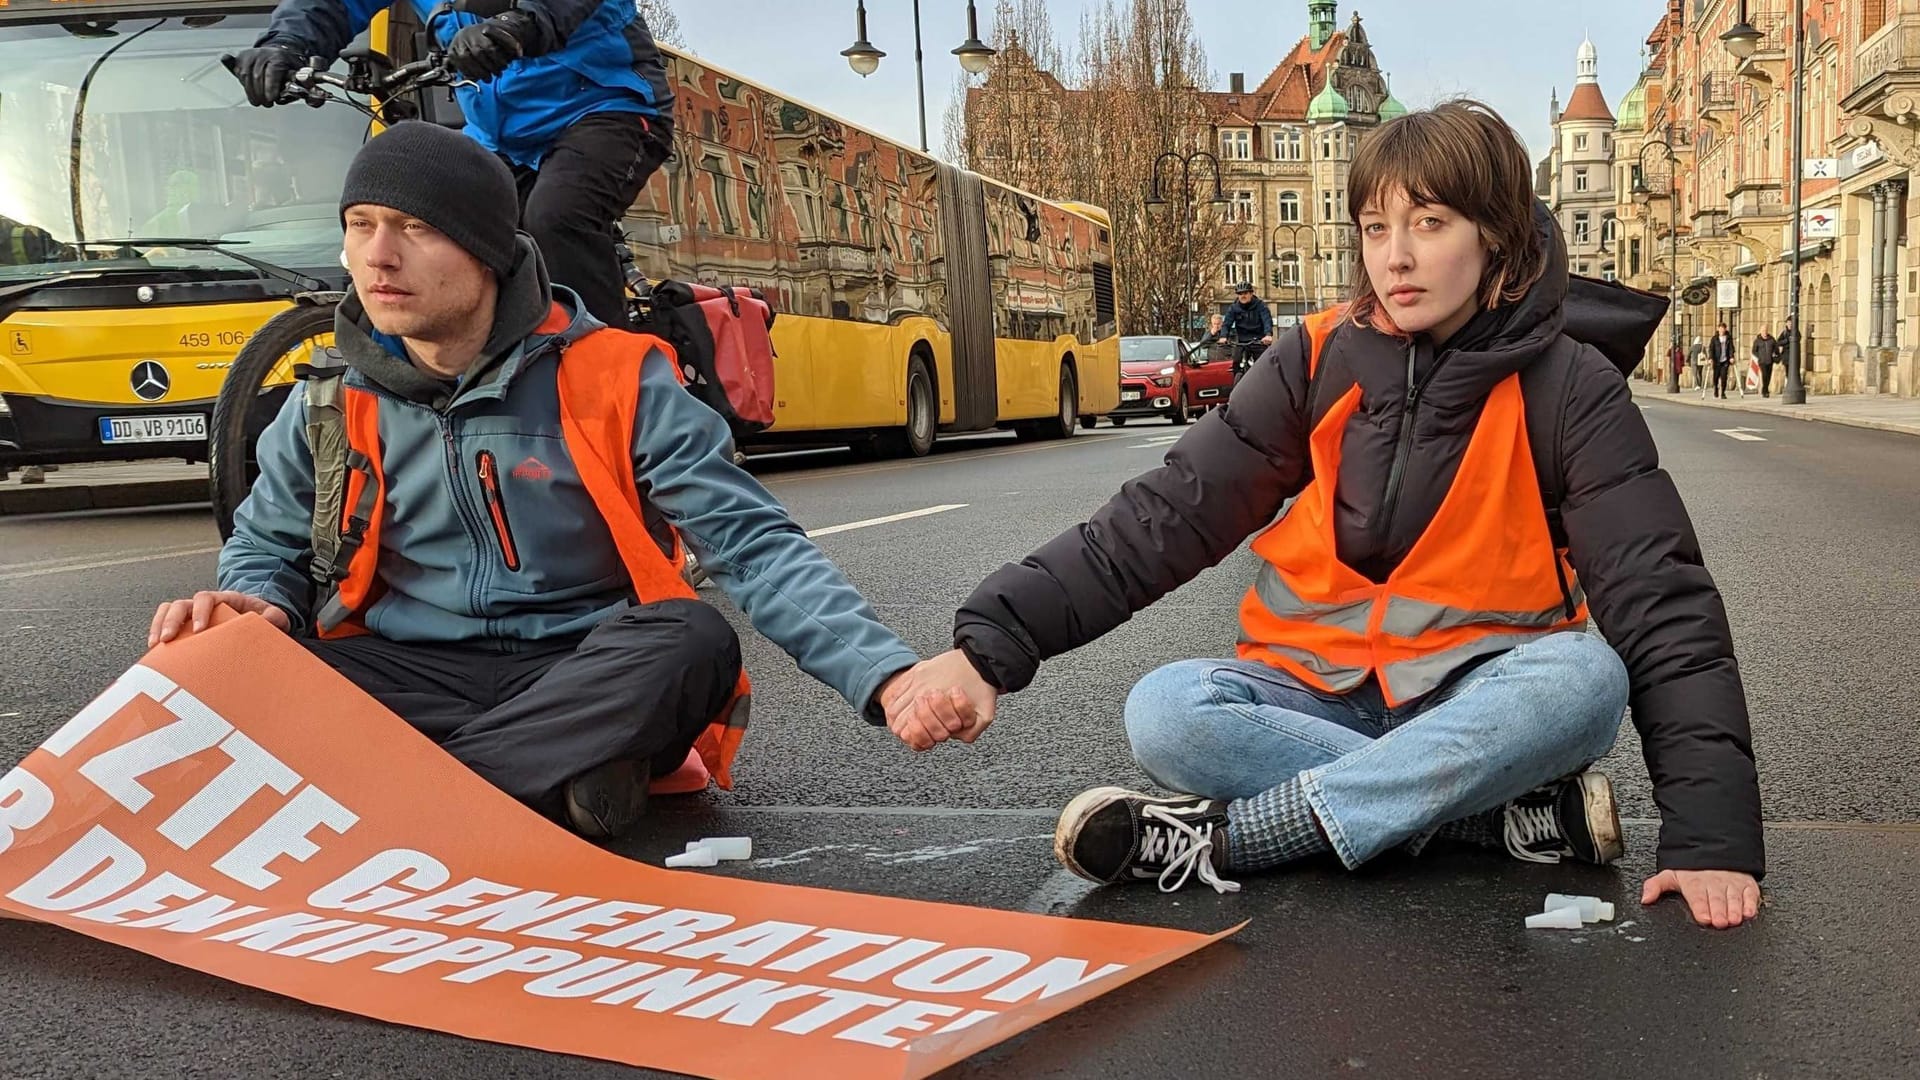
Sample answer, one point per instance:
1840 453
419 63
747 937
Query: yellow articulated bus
151 222
914 296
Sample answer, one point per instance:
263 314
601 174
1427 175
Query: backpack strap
335 536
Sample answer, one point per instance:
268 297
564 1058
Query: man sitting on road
498 565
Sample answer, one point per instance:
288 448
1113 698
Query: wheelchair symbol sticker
19 343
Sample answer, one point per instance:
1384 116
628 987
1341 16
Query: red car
1163 376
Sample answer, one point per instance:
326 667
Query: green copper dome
1391 109
1633 110
1329 104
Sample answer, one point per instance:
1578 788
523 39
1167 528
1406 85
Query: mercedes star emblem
150 381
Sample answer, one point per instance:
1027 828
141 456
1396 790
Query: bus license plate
132 429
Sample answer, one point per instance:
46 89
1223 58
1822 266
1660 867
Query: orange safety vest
599 379
1484 576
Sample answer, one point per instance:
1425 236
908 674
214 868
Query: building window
1290 270
1288 145
1607 273
1289 206
1579 179
1606 143
1240 209
1236 144
1609 230
1237 268
1333 204
1329 144
1633 258
1580 141
1581 229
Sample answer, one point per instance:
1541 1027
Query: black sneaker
1111 835
606 801
1573 815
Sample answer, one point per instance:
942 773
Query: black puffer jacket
1629 535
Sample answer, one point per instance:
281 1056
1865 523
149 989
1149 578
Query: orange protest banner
232 805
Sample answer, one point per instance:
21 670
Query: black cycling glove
265 70
482 51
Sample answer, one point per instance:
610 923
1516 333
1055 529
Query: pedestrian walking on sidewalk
1699 365
1763 351
1413 660
1720 350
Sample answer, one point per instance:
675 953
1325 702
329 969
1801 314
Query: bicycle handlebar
309 83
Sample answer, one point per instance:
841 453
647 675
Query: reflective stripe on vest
1481 579
599 390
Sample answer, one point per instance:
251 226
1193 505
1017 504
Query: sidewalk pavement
105 486
1882 412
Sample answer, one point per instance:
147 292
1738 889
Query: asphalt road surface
1410 968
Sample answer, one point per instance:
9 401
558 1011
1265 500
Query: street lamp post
1742 41
864 59
1293 243
1645 194
1158 198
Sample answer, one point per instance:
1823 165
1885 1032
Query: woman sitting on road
1412 659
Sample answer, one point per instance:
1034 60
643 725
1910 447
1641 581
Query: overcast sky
1511 54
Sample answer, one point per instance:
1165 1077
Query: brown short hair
1459 154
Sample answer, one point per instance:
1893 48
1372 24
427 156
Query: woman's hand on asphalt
1717 898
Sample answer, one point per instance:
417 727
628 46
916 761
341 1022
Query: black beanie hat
443 178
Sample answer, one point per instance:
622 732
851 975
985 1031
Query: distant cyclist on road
575 100
1248 327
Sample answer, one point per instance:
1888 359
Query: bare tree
1132 92
661 21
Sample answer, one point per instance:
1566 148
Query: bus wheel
1067 421
250 397
915 438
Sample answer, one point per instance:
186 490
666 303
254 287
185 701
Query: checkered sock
1273 827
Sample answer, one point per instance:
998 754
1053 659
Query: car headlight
1162 380
1166 371
4 407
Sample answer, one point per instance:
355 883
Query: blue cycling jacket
592 56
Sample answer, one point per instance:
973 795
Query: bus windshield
134 129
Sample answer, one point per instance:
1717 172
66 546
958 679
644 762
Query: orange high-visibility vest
599 381
1483 578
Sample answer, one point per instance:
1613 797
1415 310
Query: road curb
1763 410
61 498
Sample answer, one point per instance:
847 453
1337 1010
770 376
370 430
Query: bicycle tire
246 404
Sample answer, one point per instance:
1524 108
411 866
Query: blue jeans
1379 776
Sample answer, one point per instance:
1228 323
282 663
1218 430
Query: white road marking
1157 441
101 564
889 519
1743 434
67 560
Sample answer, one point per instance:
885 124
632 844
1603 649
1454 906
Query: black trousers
641 685
584 184
1766 380
1720 369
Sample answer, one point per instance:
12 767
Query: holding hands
938 699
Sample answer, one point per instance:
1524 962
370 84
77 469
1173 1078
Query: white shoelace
1527 825
1186 850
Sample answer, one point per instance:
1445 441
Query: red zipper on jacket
497 508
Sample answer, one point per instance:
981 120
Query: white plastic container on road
1591 908
1566 918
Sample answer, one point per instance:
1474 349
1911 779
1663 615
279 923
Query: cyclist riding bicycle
576 102
1248 327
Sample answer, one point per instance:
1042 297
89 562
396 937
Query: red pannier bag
724 340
